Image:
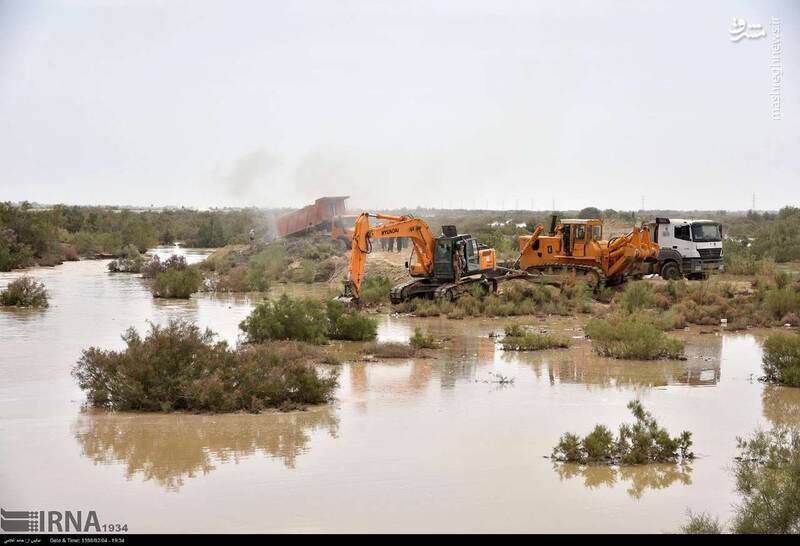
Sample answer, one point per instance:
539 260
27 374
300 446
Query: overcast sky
457 103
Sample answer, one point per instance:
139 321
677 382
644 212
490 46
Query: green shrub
781 359
177 283
350 324
519 339
779 302
375 289
24 292
701 524
767 474
422 341
325 270
180 367
516 298
235 280
632 337
308 320
747 264
305 273
287 318
151 268
256 276
637 295
597 444
640 442
569 448
131 261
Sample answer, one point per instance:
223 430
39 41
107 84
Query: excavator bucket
347 295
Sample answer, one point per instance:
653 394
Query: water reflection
579 365
641 477
170 448
192 255
781 405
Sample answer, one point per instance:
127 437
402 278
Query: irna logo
49 521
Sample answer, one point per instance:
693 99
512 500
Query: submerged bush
130 262
767 472
519 339
126 265
308 320
24 292
632 338
287 318
422 341
177 283
350 324
640 442
701 524
781 359
180 367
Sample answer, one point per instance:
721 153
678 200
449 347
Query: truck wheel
670 271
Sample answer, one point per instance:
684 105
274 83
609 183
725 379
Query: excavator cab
476 257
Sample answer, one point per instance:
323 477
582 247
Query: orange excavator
577 247
441 267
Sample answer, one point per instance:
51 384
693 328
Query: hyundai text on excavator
576 246
431 268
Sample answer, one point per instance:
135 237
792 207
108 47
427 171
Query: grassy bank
309 259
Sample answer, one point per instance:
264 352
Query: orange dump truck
320 215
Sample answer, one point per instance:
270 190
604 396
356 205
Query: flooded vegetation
517 338
767 472
782 359
24 292
642 442
180 367
453 438
629 337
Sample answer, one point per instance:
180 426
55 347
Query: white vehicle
690 248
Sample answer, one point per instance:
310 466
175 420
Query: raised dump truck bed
316 216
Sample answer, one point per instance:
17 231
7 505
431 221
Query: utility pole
754 202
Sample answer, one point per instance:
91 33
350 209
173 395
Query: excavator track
452 291
398 294
448 291
552 270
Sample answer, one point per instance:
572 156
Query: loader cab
578 235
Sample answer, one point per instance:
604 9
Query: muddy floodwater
433 444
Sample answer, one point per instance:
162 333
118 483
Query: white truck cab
690 248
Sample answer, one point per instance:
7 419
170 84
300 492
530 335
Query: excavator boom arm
394 226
